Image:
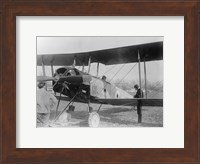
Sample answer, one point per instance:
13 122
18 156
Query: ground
111 116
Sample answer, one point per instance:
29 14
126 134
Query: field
111 116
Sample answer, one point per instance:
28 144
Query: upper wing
129 54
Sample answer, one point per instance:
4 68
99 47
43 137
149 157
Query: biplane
81 86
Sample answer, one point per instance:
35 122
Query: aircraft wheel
93 119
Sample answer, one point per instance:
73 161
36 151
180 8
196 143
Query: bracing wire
126 74
116 73
109 70
101 89
103 74
123 76
154 87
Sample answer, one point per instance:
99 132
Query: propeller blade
45 78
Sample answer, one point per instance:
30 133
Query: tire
94 119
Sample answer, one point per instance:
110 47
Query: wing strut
52 72
97 69
74 63
145 78
139 69
89 64
43 69
83 68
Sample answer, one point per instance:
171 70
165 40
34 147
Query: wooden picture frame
10 9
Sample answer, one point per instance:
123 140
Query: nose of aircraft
78 79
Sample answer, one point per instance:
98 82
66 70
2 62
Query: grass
112 116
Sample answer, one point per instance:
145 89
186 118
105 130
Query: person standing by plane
104 87
46 102
139 94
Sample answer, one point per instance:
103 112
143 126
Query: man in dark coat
139 94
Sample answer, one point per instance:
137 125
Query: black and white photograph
99 81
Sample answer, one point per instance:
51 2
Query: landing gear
90 110
65 109
93 119
71 108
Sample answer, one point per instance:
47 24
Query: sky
128 72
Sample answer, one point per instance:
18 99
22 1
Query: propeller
78 79
45 78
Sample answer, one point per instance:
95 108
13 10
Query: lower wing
122 102
132 102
